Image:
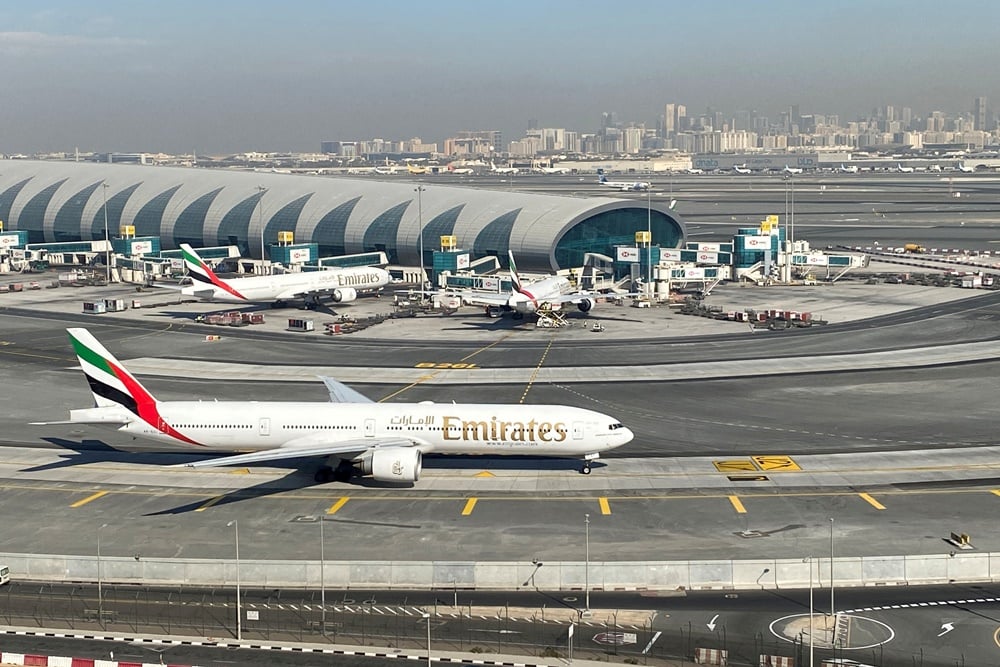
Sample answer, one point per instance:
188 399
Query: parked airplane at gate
552 292
741 169
360 437
503 170
624 186
904 170
850 169
791 170
342 285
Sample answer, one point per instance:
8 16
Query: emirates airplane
342 285
359 437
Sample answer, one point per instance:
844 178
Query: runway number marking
470 505
871 501
337 505
90 498
605 507
445 366
737 504
776 463
735 465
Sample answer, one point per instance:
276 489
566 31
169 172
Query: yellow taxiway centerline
470 505
871 501
337 505
90 498
605 507
210 502
737 504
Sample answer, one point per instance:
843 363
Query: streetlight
531 579
649 242
765 571
260 221
322 578
832 612
420 228
811 607
239 609
100 590
586 567
428 617
107 238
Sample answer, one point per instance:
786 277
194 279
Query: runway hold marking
210 502
90 498
735 465
737 504
776 463
445 366
605 507
334 508
871 501
470 505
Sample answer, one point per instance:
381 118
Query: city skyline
232 76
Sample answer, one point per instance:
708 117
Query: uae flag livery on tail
200 272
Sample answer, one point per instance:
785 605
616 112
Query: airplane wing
341 393
293 451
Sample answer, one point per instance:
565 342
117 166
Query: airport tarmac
772 432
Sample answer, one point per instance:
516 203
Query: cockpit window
616 425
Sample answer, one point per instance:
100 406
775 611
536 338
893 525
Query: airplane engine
586 305
393 464
345 294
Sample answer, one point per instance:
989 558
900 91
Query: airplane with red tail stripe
342 285
355 435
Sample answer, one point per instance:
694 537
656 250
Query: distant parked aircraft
624 186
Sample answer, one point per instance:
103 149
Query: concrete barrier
504 575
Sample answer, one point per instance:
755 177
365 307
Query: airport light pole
428 617
649 242
239 608
100 588
260 220
833 613
811 608
420 232
107 236
586 565
322 578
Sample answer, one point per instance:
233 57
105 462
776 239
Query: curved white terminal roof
65 201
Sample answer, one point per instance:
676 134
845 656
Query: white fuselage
291 285
539 292
539 430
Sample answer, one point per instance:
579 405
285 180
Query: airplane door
264 426
369 428
578 430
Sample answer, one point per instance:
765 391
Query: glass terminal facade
602 232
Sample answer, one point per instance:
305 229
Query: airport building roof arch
343 215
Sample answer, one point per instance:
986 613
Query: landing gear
342 473
585 470
278 304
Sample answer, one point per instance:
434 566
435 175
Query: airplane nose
625 436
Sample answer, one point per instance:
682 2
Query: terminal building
67 201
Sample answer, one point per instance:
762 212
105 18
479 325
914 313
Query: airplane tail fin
201 273
109 382
515 280
601 178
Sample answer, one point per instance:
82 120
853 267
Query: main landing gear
342 473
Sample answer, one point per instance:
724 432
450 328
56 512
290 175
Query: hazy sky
223 76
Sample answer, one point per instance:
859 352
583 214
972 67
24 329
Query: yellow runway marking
776 463
871 501
431 376
209 503
485 473
337 505
735 465
995 492
737 504
81 503
470 504
605 507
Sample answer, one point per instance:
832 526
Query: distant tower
979 113
669 119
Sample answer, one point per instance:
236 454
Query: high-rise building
669 119
979 115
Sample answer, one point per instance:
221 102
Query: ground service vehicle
914 248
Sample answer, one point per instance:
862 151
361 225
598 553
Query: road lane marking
871 501
737 504
605 507
209 503
470 504
90 498
337 505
